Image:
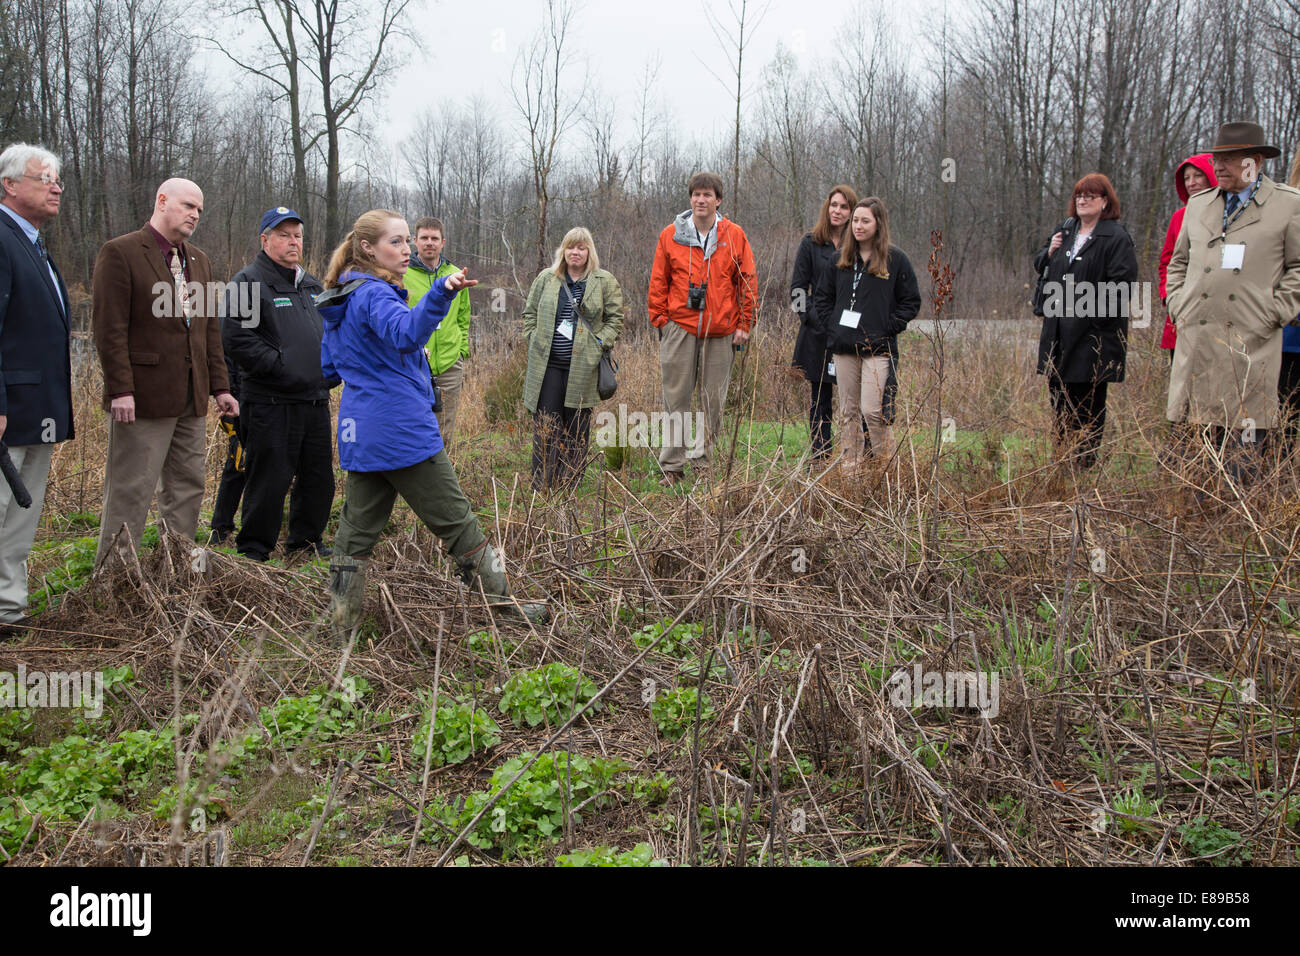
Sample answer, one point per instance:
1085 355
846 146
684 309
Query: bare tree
734 37
540 90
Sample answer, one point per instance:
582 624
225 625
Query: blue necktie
1233 202
40 250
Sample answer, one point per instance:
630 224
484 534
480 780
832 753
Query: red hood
1202 161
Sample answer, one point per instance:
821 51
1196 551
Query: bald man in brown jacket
159 342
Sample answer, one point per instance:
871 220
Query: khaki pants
18 527
449 383
861 396
686 363
430 488
163 453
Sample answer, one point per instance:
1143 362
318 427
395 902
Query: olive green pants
432 490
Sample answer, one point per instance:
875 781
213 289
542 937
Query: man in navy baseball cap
272 332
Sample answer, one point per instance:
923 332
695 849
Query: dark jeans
230 489
560 434
283 444
1078 418
432 490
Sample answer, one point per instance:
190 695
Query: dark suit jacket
144 346
35 368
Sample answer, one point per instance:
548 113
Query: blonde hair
350 256
577 236
1295 170
879 242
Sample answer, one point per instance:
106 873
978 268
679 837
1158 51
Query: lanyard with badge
565 328
849 317
1234 254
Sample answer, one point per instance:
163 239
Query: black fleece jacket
278 354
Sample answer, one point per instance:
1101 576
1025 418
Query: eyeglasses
45 179
1078 196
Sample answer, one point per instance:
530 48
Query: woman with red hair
1194 174
1089 270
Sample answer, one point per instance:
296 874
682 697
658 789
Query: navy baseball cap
276 216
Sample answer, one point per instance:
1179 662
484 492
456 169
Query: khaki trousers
163 453
861 396
686 363
449 383
18 527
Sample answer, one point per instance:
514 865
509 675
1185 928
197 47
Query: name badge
1234 255
850 318
565 328
830 368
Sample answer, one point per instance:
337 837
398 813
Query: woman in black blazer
817 253
862 304
1091 275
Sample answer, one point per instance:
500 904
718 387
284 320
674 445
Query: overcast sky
471 47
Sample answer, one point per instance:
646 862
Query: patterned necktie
41 251
178 275
1233 202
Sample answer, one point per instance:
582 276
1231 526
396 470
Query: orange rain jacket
728 268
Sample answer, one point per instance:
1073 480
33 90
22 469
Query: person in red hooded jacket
1193 174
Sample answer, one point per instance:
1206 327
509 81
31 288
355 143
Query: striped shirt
562 346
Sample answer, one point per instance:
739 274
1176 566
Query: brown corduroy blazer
140 334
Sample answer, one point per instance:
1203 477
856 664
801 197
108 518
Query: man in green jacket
449 345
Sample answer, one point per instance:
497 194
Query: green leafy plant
640 855
1134 802
533 809
673 711
653 790
1204 837
680 641
547 694
318 716
460 730
68 576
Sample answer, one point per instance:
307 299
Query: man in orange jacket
702 294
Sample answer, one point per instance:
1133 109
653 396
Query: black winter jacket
887 305
810 355
278 354
1085 331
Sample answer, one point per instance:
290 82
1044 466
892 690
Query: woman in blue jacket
388 436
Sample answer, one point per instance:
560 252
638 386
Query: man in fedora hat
1233 283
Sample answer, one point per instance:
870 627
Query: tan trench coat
1230 321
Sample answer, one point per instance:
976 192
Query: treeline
977 122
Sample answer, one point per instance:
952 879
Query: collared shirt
32 234
165 246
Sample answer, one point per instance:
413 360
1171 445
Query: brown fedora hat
1235 136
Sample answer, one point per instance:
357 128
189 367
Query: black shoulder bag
606 377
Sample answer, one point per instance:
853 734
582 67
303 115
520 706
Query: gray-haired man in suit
35 368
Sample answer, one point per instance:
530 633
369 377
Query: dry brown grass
1112 681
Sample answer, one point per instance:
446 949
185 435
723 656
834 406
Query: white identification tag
1234 255
850 318
830 368
565 328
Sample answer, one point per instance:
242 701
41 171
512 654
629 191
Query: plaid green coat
602 305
